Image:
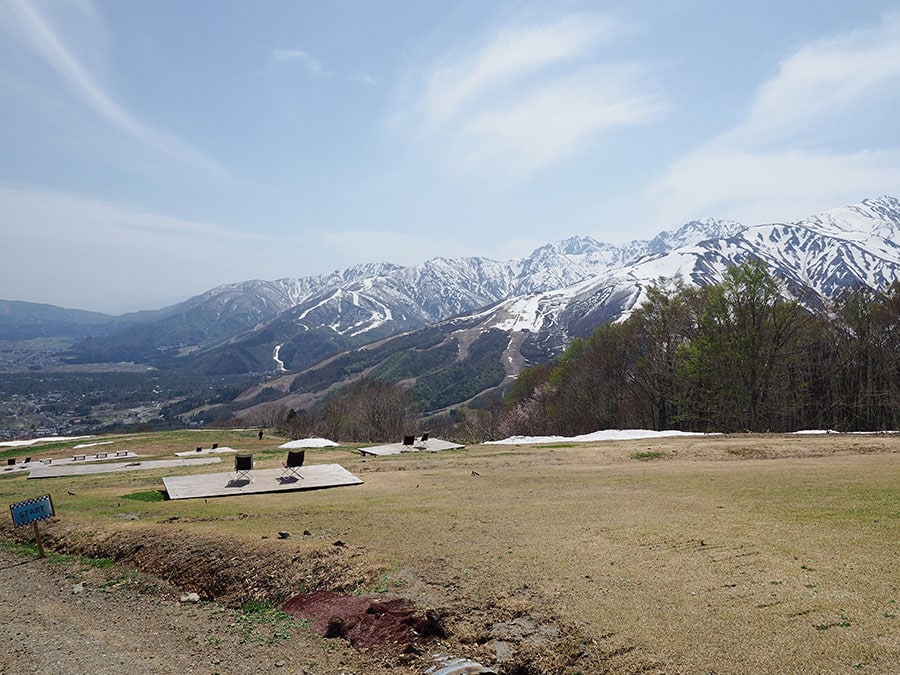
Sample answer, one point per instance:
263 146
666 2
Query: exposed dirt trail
68 617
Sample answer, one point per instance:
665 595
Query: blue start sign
31 510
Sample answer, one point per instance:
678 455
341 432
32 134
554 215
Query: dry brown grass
727 554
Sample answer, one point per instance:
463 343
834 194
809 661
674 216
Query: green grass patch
647 455
90 562
558 445
146 496
30 550
261 623
18 549
95 562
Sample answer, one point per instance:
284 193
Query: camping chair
243 466
423 440
293 463
409 440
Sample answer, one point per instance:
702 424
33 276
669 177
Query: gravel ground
70 617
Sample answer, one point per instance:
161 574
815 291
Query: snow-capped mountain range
816 258
561 291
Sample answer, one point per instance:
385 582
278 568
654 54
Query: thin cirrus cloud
771 187
68 242
307 60
553 121
789 154
825 78
40 36
530 95
44 214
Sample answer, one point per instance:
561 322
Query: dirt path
70 617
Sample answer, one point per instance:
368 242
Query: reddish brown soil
365 622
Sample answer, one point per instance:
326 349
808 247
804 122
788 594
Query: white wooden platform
315 477
76 458
56 470
204 451
431 445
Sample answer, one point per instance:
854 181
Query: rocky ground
68 616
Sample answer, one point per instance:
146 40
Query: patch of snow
278 361
324 302
522 313
309 443
603 435
91 445
46 439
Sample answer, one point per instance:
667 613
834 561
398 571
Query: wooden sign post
33 511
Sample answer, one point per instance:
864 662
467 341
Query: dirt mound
228 571
365 622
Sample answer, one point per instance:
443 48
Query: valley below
43 394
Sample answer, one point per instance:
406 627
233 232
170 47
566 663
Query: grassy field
725 554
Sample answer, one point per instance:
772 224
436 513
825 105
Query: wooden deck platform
431 445
315 477
205 451
57 470
76 458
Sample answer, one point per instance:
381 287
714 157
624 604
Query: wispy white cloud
40 36
311 63
554 120
792 151
129 257
757 187
65 216
822 80
510 55
365 78
532 95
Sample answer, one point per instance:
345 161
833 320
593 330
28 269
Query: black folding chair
293 463
243 467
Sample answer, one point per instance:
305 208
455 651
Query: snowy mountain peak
571 246
848 247
879 217
692 233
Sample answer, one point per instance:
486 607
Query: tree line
735 356
365 411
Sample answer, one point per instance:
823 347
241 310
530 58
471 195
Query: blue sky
152 150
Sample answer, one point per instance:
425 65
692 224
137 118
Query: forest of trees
731 357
